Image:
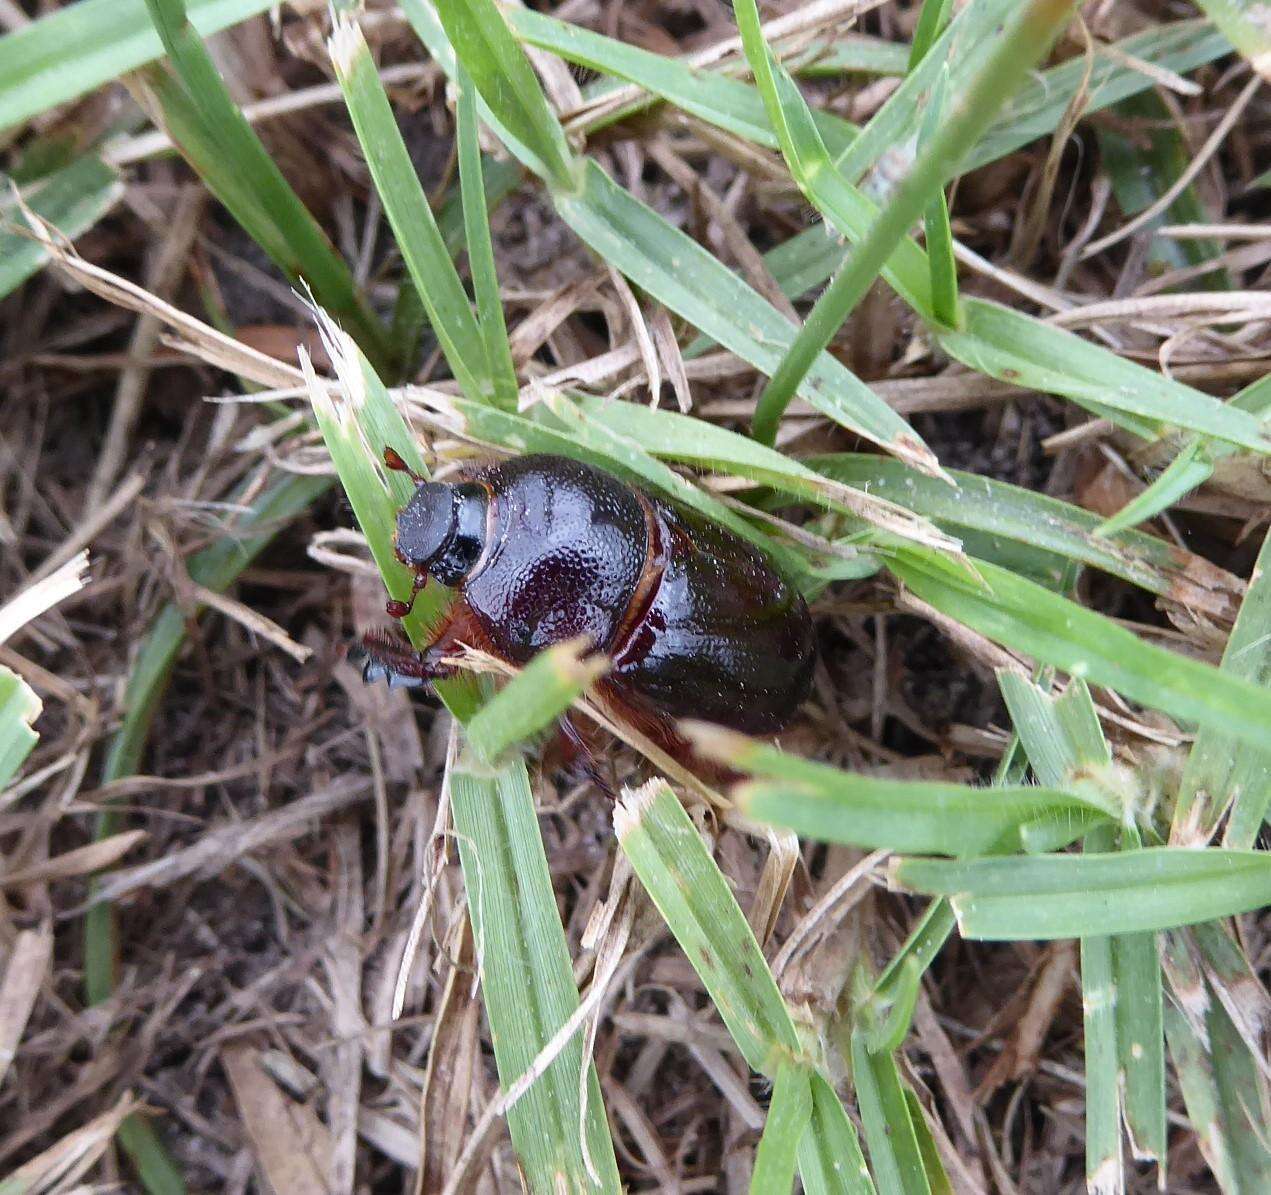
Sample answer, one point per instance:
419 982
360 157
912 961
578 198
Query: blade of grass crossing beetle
512 903
555 426
414 226
237 168
534 699
1054 630
526 980
356 430
19 708
75 49
1027 37
789 1114
72 200
830 1157
680 437
1222 772
1062 896
894 1154
485 47
668 855
476 222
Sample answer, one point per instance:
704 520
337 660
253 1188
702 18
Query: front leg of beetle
401 667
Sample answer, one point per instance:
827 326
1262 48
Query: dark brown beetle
543 548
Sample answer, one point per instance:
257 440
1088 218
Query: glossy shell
696 620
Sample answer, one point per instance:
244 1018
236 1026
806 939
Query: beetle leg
580 755
401 667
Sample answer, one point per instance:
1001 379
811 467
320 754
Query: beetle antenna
393 460
396 608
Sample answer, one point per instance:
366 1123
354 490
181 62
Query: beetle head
441 530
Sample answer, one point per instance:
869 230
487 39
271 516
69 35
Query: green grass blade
1190 469
919 816
830 1157
1104 1171
1144 154
533 700
935 221
357 428
894 1154
1067 533
1025 40
487 50
677 437
1016 348
1061 896
1060 735
1222 771
1054 630
931 23
1141 1043
1244 23
789 1114
558 426
697 905
476 222
83 45
1178 46
715 98
210 130
688 280
927 1148
1223 1088
526 979
72 200
19 708
422 246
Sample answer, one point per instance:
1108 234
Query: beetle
541 549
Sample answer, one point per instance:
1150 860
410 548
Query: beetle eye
426 523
